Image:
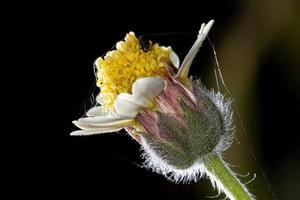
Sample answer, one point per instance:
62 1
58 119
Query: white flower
144 92
176 121
181 126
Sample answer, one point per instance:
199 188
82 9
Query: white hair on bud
224 107
155 162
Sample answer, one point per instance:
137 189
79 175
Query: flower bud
183 129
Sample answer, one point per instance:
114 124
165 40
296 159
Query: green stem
225 180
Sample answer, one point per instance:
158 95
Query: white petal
147 89
208 26
96 125
144 92
101 121
127 105
185 66
174 59
95 111
94 132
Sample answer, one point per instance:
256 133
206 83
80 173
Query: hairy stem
225 180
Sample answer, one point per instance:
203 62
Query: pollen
120 68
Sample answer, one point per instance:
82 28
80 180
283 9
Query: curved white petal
207 28
127 105
147 89
93 132
101 124
101 121
92 123
95 111
185 66
174 59
144 92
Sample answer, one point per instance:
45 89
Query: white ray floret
97 125
186 64
127 106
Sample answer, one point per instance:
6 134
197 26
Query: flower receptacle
184 142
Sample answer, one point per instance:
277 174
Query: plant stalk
225 180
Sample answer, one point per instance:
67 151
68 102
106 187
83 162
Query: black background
66 39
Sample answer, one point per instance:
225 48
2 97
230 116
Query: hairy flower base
157 163
177 151
211 166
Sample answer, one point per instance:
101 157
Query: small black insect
145 44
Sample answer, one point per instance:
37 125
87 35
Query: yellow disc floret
120 68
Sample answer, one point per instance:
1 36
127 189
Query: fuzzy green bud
185 128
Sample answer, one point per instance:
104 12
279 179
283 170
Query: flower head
176 120
120 68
